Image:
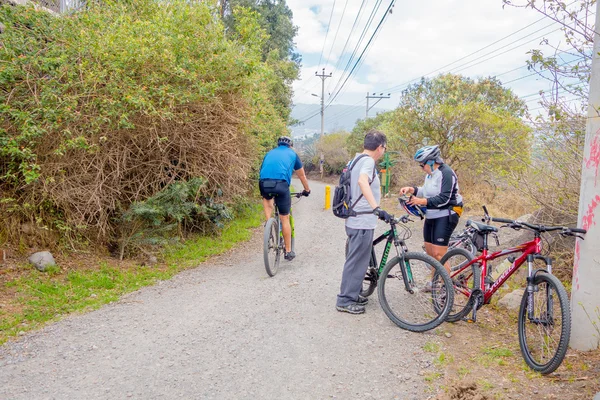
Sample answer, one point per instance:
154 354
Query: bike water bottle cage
411 209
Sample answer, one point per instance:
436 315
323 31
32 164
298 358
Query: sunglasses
422 165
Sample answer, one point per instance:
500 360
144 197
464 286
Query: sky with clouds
418 38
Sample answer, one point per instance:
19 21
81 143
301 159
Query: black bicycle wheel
271 248
544 334
406 293
370 280
463 283
462 243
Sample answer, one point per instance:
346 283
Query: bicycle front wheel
271 248
407 296
464 283
544 324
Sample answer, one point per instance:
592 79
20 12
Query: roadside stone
42 260
512 300
597 396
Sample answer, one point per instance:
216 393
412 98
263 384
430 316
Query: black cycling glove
305 193
383 215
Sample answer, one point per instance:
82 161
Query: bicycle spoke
544 324
463 282
411 304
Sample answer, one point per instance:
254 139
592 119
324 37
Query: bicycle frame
529 250
390 235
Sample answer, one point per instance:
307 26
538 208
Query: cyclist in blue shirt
274 184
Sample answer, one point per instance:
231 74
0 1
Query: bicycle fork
547 319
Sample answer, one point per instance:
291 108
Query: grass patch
42 297
432 376
198 249
443 359
431 347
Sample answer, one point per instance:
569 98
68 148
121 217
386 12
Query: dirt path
226 331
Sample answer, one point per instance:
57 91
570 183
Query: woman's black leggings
437 231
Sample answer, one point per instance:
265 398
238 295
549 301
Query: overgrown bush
334 150
106 108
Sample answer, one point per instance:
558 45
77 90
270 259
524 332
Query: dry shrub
131 165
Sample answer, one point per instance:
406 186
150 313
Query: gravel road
225 330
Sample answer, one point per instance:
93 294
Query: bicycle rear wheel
463 283
407 296
462 243
271 247
370 279
544 334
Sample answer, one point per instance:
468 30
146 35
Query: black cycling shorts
278 189
437 231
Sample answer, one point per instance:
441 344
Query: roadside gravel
225 330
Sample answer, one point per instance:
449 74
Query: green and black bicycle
273 244
404 284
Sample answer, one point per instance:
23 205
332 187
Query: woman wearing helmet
439 194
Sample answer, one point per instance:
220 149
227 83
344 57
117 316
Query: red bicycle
544 315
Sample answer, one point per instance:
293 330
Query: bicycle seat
482 228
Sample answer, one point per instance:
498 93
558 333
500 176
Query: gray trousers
360 243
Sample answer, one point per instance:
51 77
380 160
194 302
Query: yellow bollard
327 197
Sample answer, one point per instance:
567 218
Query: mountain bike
402 282
273 243
544 324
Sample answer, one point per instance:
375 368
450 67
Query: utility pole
323 76
375 96
585 296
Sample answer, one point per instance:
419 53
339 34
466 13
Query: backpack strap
361 195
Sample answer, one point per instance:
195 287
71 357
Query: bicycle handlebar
297 194
540 228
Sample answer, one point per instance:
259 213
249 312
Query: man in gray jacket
365 186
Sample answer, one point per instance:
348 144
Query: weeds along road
225 330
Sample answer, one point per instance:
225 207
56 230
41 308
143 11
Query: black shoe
290 256
362 301
353 308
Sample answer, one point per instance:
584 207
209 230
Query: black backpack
342 203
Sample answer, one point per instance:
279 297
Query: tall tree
278 49
476 123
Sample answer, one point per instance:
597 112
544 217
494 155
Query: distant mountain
337 117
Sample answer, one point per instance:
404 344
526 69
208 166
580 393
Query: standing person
364 188
440 195
274 184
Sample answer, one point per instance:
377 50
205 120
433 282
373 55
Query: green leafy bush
106 107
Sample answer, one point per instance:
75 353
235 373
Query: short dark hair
374 139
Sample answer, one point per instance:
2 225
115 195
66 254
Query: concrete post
585 296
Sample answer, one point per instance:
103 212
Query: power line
327 32
356 19
363 52
336 32
357 46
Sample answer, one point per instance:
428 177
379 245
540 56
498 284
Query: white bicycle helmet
427 153
285 140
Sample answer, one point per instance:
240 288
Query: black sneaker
353 308
290 256
362 301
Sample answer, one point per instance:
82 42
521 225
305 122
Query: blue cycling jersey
280 163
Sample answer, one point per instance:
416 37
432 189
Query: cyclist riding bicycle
274 184
439 194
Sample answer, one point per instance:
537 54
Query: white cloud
416 39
